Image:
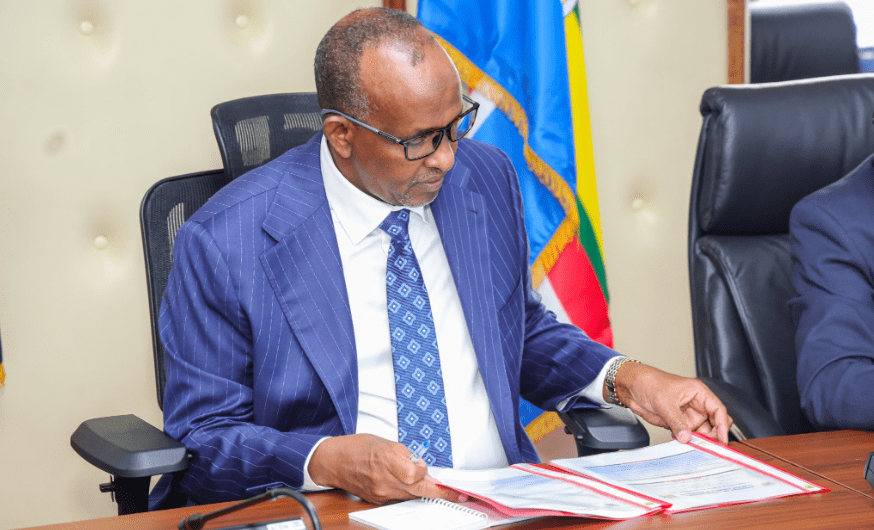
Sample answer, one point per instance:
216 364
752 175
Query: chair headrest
254 130
764 147
801 41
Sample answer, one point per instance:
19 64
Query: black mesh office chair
255 130
126 447
762 148
801 41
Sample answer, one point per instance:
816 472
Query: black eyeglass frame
444 131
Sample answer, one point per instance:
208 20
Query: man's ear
338 131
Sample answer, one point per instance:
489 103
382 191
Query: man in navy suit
832 242
280 368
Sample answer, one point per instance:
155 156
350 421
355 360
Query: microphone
196 521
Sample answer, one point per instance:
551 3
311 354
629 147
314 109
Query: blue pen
419 452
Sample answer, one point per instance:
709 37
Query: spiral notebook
423 514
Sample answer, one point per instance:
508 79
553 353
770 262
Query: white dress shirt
363 246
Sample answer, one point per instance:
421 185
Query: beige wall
647 64
100 99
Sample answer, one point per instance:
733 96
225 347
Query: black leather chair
761 149
801 41
250 132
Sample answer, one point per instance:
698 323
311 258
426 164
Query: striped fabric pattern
256 322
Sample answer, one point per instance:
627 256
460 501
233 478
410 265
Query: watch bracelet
610 379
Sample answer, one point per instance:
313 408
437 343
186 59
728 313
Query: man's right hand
374 469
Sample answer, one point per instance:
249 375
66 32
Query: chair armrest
751 420
869 470
599 430
126 446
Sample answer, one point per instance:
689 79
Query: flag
2 372
523 61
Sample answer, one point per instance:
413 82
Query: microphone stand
196 521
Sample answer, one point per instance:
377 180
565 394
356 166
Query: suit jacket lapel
306 274
461 219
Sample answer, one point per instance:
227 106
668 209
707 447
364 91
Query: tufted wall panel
100 99
647 63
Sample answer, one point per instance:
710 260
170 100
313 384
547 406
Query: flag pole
395 4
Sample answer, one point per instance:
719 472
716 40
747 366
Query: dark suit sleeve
558 360
208 403
834 311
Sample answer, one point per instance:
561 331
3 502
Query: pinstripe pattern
256 322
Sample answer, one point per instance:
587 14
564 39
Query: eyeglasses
424 144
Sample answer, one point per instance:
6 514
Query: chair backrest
167 205
255 130
250 132
801 41
761 149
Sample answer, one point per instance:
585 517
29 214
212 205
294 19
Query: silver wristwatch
610 380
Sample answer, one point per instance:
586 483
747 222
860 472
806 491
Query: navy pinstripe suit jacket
261 356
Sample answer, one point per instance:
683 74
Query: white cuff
308 484
594 390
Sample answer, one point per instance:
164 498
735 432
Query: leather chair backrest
801 41
761 149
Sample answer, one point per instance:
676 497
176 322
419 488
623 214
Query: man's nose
444 157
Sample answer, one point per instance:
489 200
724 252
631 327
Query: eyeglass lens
423 146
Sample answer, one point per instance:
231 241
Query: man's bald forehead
338 57
393 70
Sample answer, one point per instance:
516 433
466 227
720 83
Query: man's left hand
681 404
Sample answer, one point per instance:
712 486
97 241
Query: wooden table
833 459
823 454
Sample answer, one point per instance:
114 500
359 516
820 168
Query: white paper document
700 474
670 477
531 490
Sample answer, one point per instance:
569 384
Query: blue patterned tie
418 377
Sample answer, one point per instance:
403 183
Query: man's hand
374 469
680 404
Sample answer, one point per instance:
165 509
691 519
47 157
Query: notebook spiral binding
455 506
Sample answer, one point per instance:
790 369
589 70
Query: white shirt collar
358 213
